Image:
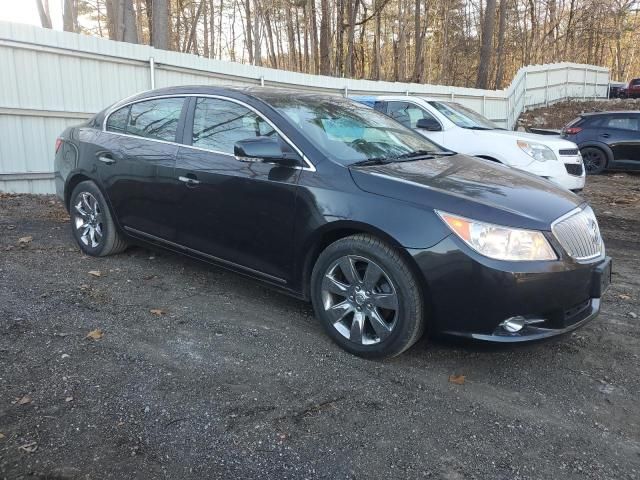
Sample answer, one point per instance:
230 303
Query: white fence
50 79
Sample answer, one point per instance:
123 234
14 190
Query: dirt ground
559 114
199 373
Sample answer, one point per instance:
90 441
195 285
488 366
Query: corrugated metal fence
50 79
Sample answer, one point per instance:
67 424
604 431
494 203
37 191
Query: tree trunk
205 23
270 44
160 24
192 44
325 40
43 11
69 16
292 38
487 41
502 24
339 65
377 38
420 33
130 31
248 29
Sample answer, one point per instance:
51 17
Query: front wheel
91 222
595 160
367 297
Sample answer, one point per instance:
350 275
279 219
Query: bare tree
69 16
43 11
487 44
160 24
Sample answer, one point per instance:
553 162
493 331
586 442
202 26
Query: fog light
513 324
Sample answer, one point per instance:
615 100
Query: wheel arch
601 146
339 229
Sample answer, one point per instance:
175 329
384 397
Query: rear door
621 132
240 212
136 158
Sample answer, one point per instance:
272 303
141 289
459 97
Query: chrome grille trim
579 234
568 152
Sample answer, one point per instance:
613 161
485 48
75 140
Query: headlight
537 151
500 243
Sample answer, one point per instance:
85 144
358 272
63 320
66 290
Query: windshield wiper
373 161
416 154
475 127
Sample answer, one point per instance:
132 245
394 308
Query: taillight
58 144
572 130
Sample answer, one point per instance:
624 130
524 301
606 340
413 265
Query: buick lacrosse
386 234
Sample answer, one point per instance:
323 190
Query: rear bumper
471 295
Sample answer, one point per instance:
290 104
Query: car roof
262 93
611 112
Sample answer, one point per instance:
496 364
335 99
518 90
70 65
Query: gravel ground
200 373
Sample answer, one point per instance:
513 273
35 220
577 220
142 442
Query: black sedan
330 201
607 140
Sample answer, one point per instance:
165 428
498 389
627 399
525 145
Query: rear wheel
595 160
367 297
91 222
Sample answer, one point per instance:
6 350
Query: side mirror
430 124
267 150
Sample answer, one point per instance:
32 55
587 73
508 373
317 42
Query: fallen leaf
157 311
457 379
624 296
29 447
95 334
68 399
24 400
95 273
24 241
1 436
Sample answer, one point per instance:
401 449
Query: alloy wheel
360 300
594 160
88 220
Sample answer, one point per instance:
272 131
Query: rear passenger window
118 120
219 124
156 119
623 123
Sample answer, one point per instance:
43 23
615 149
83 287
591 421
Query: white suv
462 130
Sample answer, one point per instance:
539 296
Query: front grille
568 152
573 168
579 234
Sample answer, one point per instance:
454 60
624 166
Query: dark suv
607 140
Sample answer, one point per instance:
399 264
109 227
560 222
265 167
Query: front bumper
471 295
558 171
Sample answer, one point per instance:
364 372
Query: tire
367 298
92 224
595 160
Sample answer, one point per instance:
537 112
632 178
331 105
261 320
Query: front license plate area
601 278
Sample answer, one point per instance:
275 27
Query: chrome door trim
309 165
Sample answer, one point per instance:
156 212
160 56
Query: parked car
633 89
607 140
462 130
331 201
617 90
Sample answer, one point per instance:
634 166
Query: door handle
605 135
109 160
189 181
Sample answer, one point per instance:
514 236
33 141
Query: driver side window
408 114
219 124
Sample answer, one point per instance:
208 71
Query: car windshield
463 117
349 132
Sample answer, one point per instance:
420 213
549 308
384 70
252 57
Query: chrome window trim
310 167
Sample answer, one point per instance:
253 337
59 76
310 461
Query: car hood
470 187
548 140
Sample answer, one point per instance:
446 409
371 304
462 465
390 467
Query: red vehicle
633 90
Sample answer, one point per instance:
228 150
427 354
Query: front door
240 212
622 133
